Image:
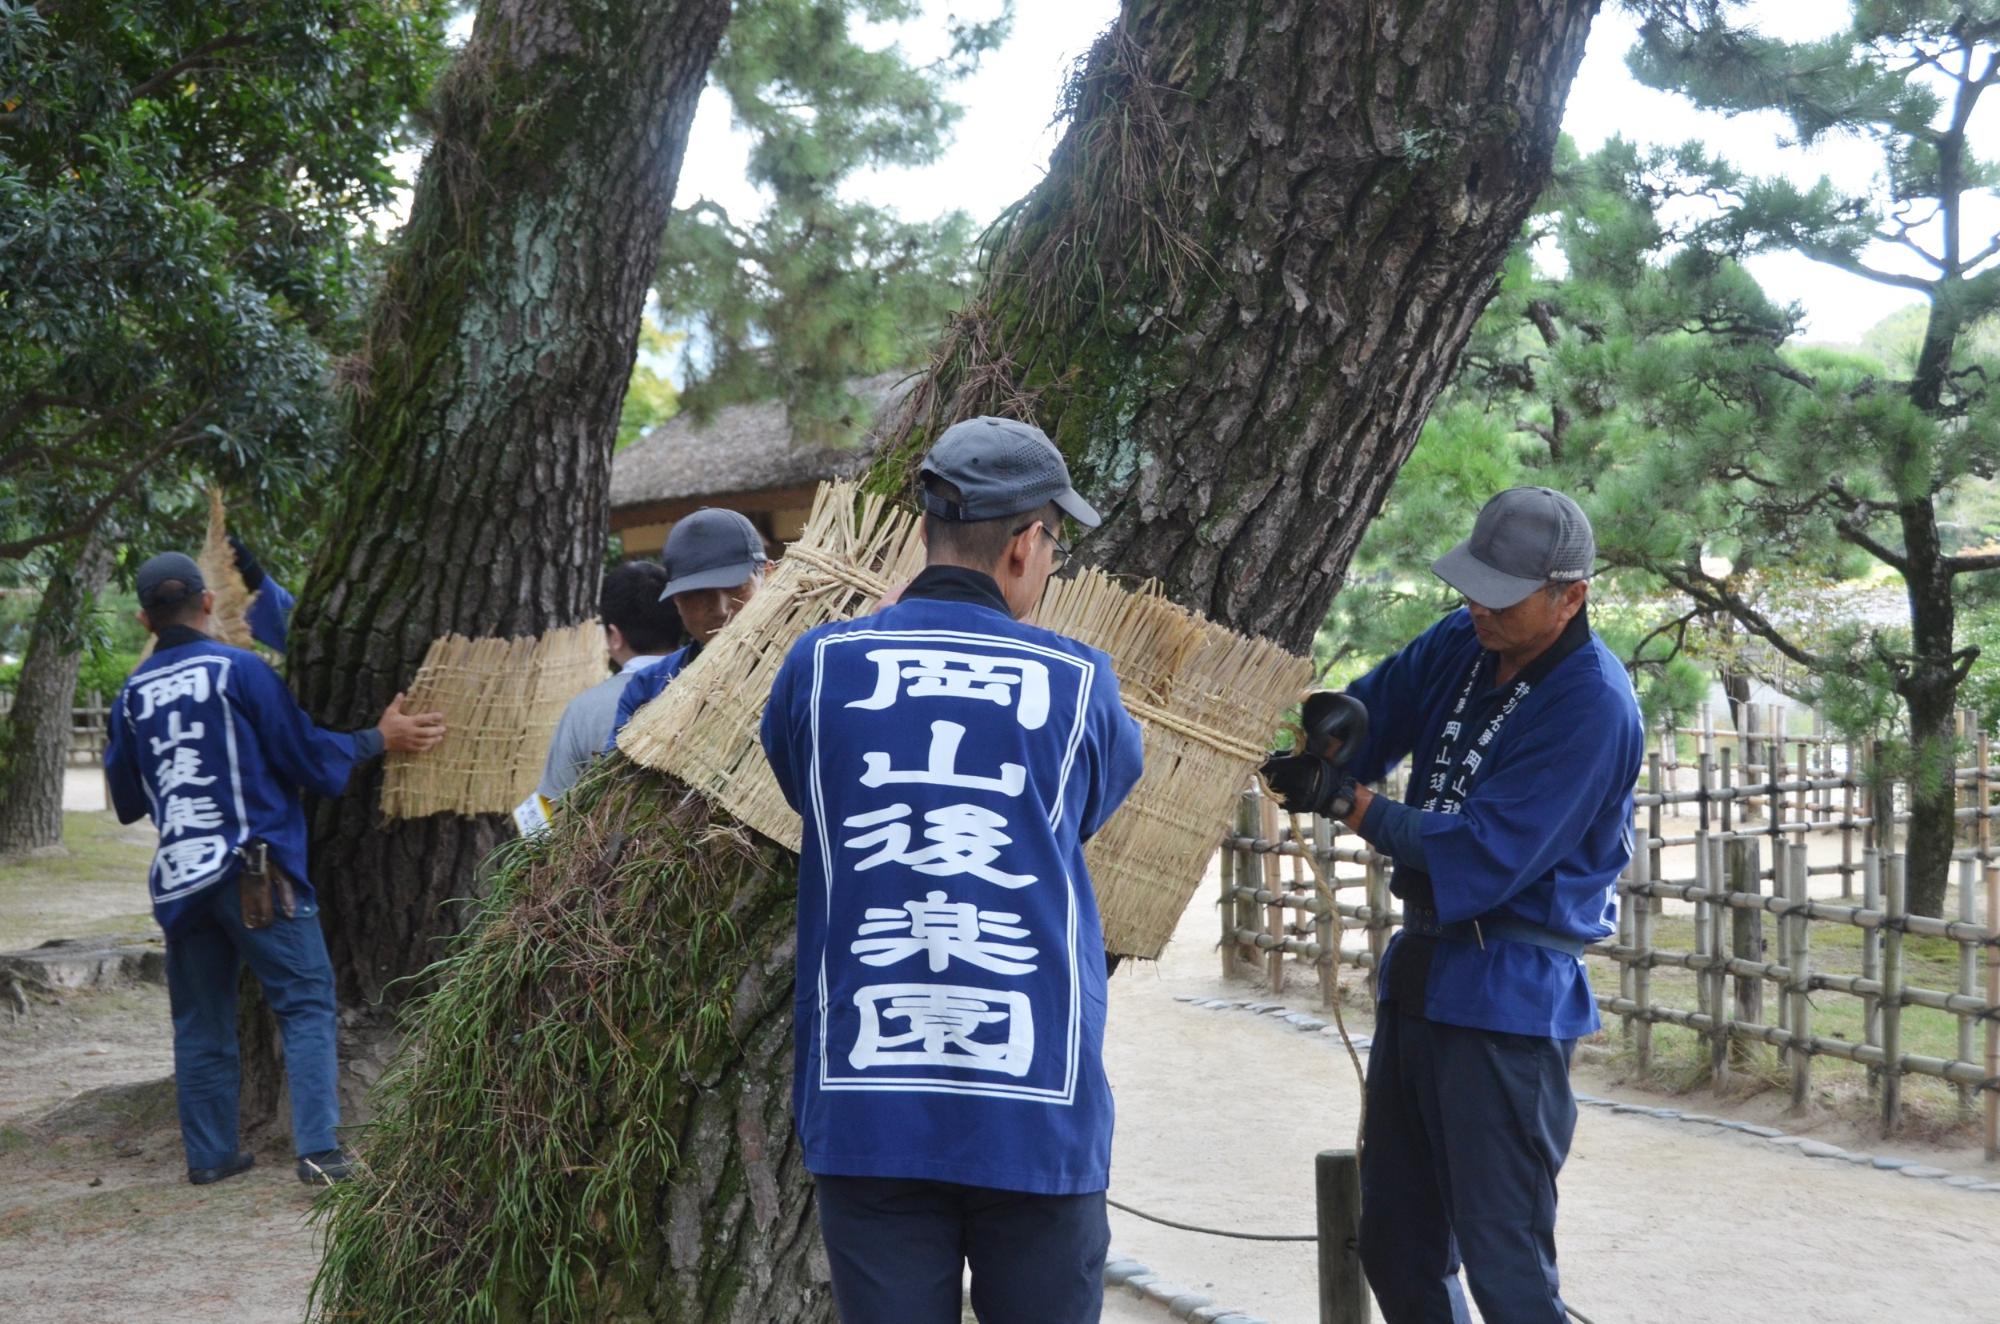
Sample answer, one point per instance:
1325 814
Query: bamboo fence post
1274 909
1378 920
1847 783
1801 979
1892 996
1744 873
1774 807
1984 787
1343 1289
1628 944
1711 990
1886 807
1326 927
1871 834
1642 966
1748 750
1725 807
1226 869
1968 979
1871 955
1655 830
1805 771
1247 917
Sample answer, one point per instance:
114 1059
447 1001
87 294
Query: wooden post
1847 783
1892 996
1984 788
1655 830
1627 968
1227 905
1274 909
1343 1291
1871 956
1748 750
1744 873
1968 978
1642 969
1327 927
1801 982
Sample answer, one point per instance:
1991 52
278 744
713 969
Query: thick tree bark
1238 364
31 778
1258 253
485 405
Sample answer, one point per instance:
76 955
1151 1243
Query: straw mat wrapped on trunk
1209 701
501 699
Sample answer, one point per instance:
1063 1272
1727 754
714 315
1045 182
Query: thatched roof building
743 458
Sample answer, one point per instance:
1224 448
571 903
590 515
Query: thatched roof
742 449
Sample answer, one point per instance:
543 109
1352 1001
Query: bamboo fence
1750 825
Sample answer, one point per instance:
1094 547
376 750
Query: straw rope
1208 700
501 700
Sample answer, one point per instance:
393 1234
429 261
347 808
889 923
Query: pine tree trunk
1930 694
1354 176
485 406
1259 250
37 751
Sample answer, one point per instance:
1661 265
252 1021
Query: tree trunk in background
38 726
486 400
1259 250
1256 257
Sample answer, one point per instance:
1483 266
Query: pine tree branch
1716 595
1833 257
1966 565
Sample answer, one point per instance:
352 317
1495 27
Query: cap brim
726 576
1480 582
1078 509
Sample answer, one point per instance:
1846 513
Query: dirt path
1219 1115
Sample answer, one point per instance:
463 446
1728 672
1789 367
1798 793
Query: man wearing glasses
1524 743
949 761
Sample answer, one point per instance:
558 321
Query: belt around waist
1490 928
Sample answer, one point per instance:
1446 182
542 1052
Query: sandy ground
1219 1115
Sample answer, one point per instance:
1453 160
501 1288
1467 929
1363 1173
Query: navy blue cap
168 578
1001 467
712 548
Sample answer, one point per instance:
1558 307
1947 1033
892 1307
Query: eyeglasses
1062 552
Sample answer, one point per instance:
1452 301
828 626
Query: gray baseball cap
164 569
712 548
1524 538
1001 467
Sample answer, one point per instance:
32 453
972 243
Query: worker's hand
1335 724
246 564
1309 784
409 733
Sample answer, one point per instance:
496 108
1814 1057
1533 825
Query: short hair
630 600
183 610
979 542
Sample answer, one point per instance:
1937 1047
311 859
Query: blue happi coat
949 763
645 685
1539 828
207 741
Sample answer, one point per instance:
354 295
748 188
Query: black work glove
1330 715
246 564
1309 784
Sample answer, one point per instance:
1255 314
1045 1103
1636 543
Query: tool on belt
265 887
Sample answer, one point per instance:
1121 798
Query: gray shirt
584 727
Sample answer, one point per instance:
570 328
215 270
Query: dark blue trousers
899 1248
1465 1134
290 962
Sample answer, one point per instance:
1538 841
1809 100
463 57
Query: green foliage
820 288
526 1131
652 398
179 186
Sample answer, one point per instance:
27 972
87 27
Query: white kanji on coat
944 931
943 1028
181 812
188 860
942 767
963 839
177 734
943 674
181 768
171 687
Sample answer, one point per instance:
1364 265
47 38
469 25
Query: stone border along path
1184 1303
1803 1145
